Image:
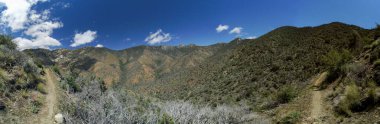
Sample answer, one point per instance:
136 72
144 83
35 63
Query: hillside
136 65
22 87
273 74
287 56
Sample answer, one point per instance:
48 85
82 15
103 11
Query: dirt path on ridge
46 115
317 106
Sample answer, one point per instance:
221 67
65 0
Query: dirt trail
319 110
46 115
317 106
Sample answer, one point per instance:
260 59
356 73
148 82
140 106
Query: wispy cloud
127 39
236 30
158 37
251 37
84 38
222 28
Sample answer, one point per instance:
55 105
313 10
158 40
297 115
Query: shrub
291 118
56 70
377 31
4 75
331 76
24 93
350 101
286 94
376 63
41 88
36 104
166 119
335 59
7 41
73 85
2 85
92 106
372 97
374 44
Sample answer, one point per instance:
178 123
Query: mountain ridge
269 73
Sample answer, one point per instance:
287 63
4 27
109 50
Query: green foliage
166 119
350 101
4 75
7 41
286 94
24 93
373 44
375 53
291 118
73 84
372 96
30 67
56 70
7 60
41 88
36 105
335 59
376 63
377 31
102 85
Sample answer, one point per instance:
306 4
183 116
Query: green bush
4 75
56 70
335 59
376 63
36 105
7 41
41 88
2 85
377 32
291 118
73 85
166 119
286 94
350 101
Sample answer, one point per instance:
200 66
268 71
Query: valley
322 74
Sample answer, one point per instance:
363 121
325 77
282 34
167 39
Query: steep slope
20 81
258 70
243 69
272 73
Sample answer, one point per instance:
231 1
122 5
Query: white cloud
18 16
41 36
16 13
40 42
99 46
236 30
221 28
158 37
43 29
251 37
84 38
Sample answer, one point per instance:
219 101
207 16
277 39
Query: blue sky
120 24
